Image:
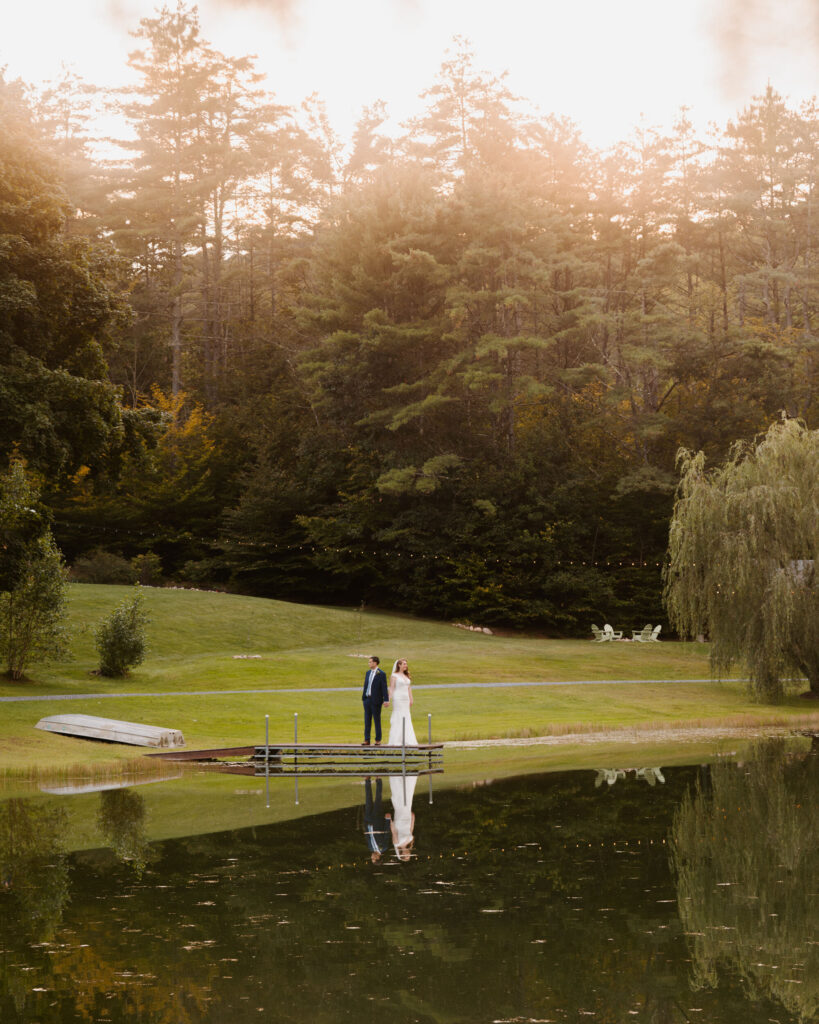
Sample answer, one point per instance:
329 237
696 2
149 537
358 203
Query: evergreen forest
446 372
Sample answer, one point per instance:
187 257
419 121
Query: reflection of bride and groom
397 694
382 830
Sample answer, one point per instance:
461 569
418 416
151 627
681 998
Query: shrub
147 568
101 566
121 638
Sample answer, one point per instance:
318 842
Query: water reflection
402 790
538 898
377 824
33 866
121 820
396 828
610 775
745 851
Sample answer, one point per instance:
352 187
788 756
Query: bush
121 638
101 566
147 568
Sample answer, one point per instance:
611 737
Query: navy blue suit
372 704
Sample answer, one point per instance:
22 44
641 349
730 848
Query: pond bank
679 734
561 717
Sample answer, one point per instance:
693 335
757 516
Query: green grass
195 635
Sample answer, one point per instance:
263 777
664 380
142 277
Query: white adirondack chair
612 634
655 634
642 635
599 635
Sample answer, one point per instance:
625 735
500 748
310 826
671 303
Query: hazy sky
601 62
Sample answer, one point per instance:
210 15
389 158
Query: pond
657 895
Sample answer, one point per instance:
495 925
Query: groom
374 695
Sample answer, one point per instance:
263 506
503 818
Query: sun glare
605 66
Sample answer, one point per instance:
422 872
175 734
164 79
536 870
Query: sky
606 64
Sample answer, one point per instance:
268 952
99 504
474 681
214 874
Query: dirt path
339 689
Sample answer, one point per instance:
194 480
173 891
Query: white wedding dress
401 713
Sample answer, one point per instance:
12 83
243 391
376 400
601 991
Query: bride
401 701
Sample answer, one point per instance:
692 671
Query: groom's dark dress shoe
366 743
378 743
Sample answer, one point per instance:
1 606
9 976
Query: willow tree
743 549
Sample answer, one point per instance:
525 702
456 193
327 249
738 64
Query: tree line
446 372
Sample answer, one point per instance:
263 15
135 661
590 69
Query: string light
380 554
517 850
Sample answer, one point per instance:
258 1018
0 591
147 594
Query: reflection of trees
121 819
475 928
97 980
537 898
33 864
746 854
132 988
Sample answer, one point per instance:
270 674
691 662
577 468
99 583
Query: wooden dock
314 759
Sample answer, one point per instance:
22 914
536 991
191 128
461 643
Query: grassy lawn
194 637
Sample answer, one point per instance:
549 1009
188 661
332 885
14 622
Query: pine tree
157 214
